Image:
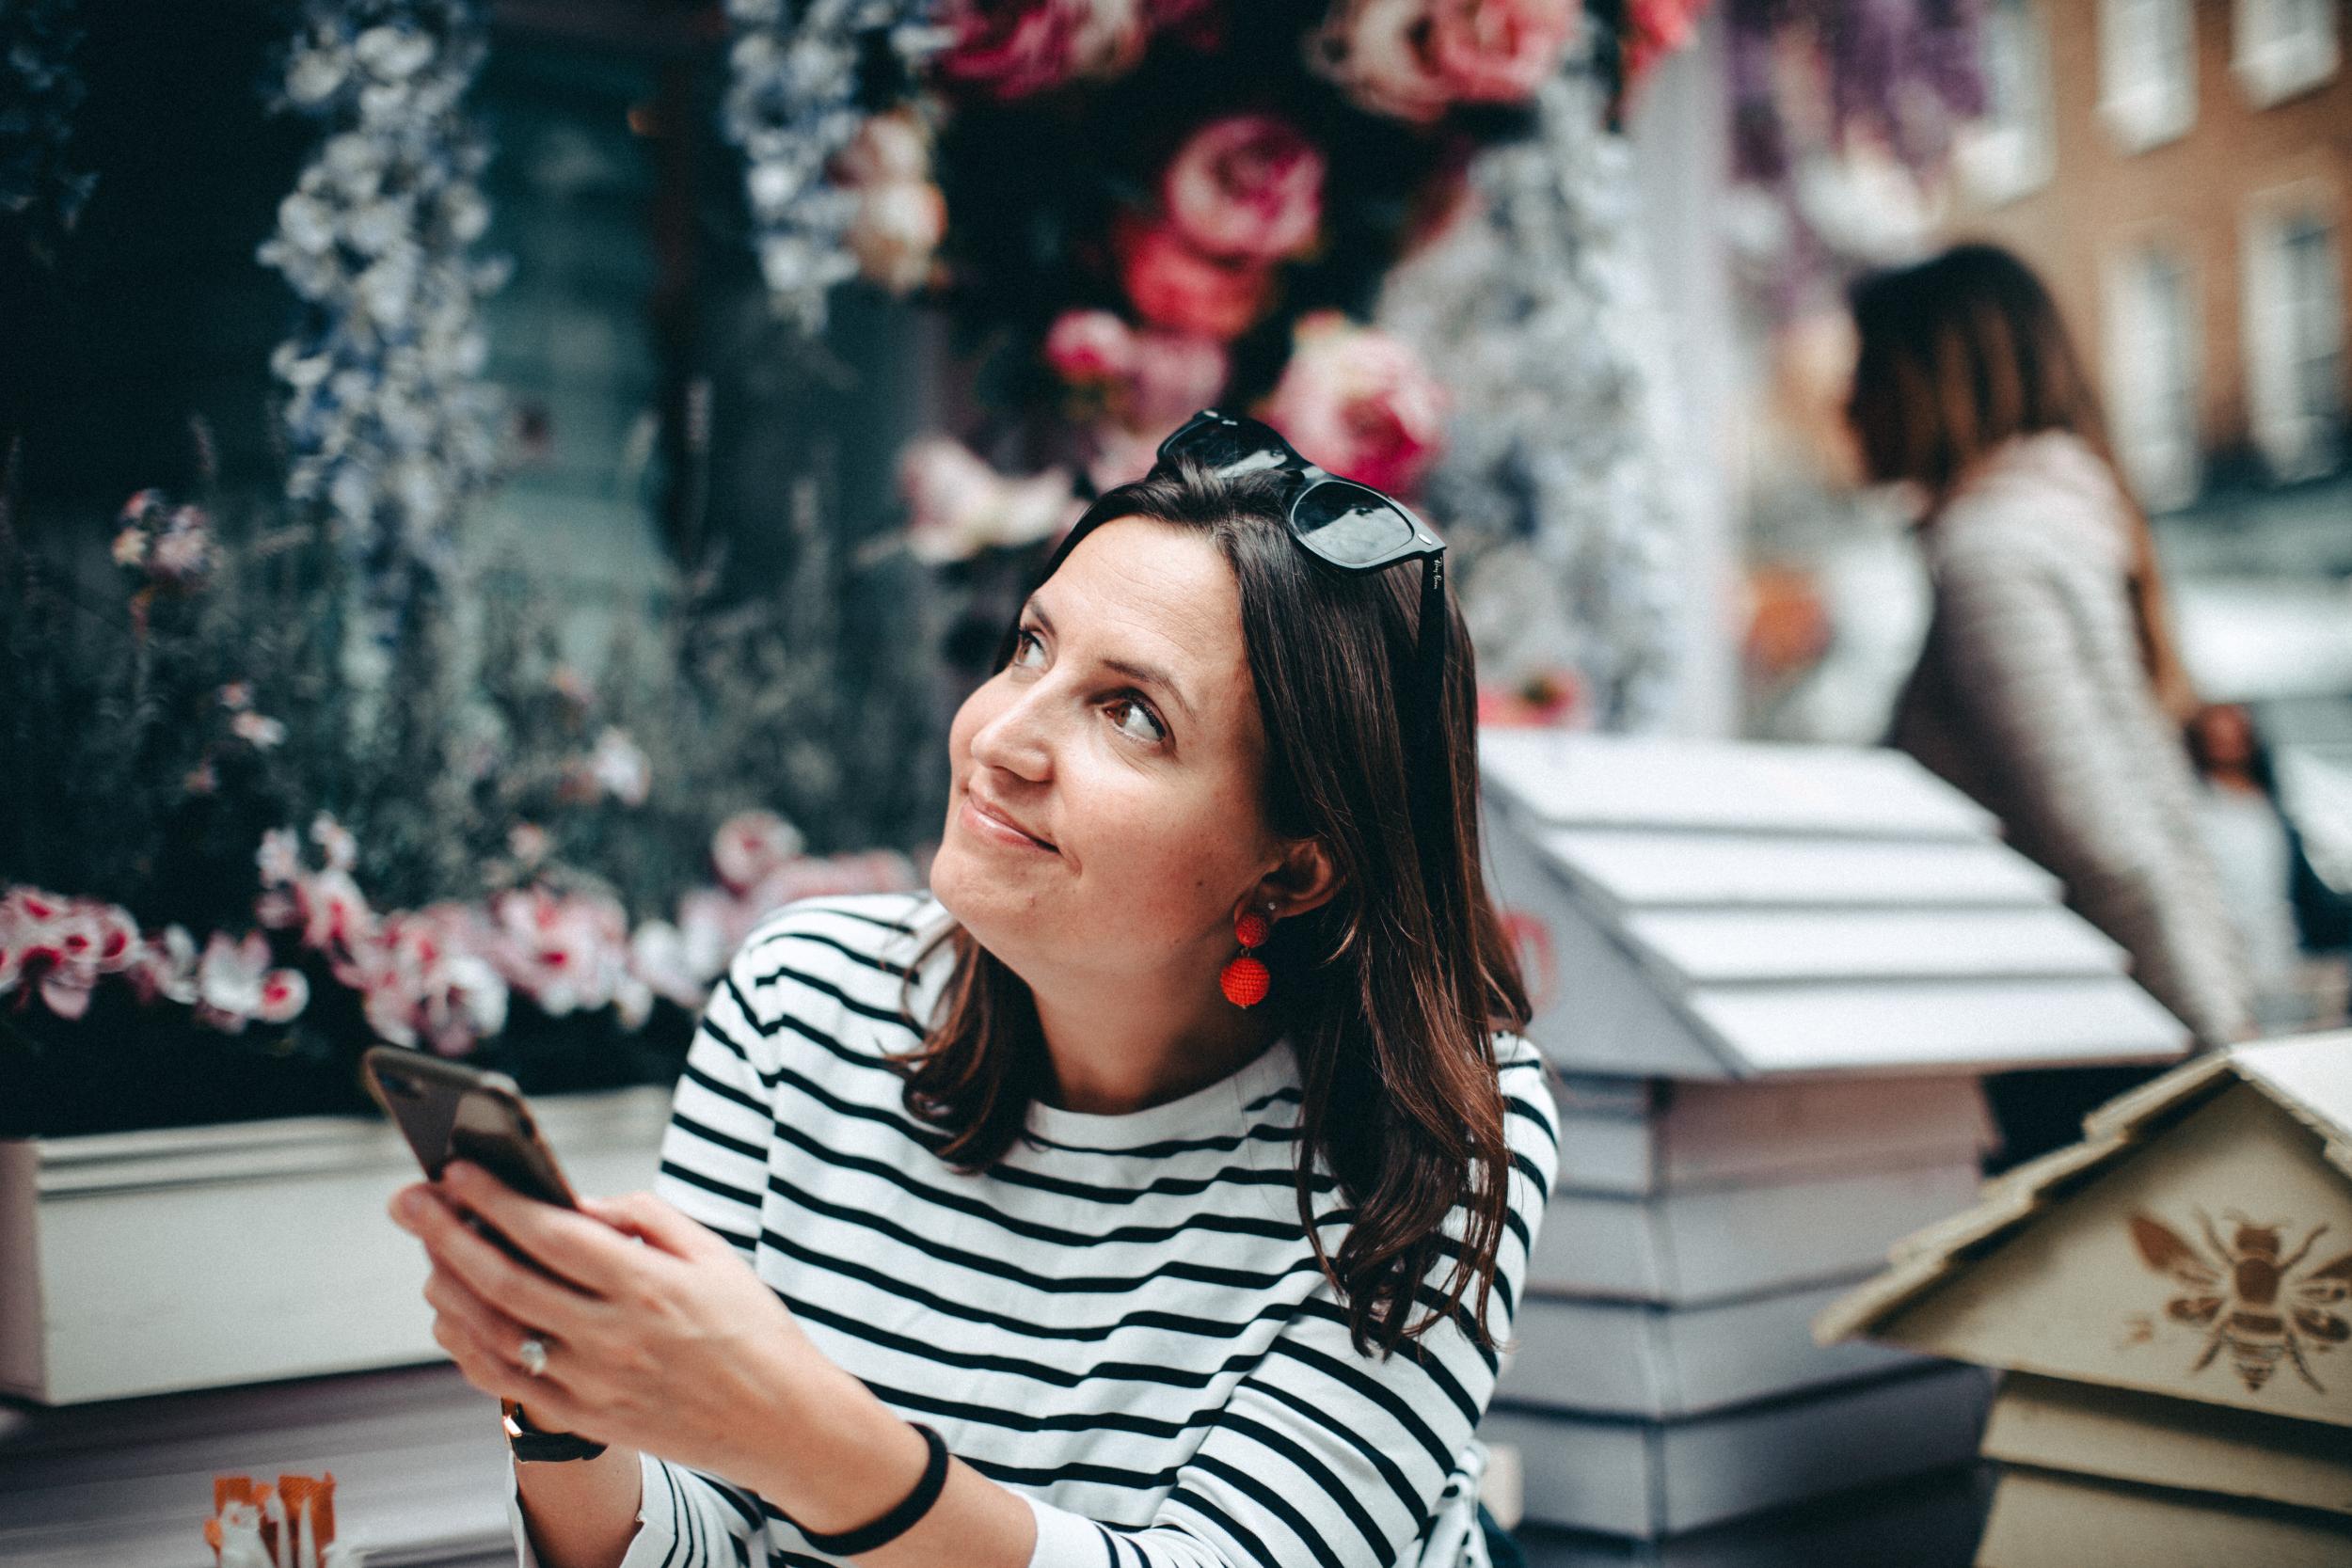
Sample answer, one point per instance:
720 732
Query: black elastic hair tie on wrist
899 1520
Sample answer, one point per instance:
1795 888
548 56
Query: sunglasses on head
1345 526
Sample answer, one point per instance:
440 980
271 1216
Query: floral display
41 193
1552 483
1844 113
792 106
389 426
1140 210
442 977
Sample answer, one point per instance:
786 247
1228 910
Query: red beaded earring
1246 979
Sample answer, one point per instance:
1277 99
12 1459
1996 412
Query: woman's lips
980 819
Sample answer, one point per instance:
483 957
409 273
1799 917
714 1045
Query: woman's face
1107 808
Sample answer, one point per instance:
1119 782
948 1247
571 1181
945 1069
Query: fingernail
408 1205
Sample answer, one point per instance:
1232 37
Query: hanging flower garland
822 207
40 189
388 424
1844 113
1537 312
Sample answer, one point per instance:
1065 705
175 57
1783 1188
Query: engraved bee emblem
2251 1301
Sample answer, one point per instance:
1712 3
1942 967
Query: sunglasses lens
1349 524
1229 447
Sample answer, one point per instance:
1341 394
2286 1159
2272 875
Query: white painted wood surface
1717 1243
1728 947
1660 1478
1640 1359
1928 1521
1570 778
1638 1137
194 1257
1649 869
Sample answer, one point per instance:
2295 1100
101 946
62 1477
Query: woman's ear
1306 879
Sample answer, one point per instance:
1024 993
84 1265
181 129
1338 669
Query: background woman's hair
1390 993
1963 352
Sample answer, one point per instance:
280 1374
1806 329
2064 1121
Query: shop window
2147 70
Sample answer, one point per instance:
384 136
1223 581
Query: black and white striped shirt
1123 1319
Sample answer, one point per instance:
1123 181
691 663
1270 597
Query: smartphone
448 1110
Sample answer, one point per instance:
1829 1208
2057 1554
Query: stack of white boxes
1769 977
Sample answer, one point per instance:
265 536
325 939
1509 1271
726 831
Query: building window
2151 362
2147 70
2010 152
2283 47
2294 340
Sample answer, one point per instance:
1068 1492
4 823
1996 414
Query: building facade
2181 172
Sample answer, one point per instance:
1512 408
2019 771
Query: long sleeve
1323 1455
2088 769
685 1520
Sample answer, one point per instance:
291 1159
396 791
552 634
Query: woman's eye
1029 649
1135 721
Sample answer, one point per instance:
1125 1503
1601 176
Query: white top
1122 1319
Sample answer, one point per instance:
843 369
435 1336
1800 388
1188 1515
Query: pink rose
1376 52
1248 187
1174 286
1359 403
1090 348
888 149
1011 49
1499 51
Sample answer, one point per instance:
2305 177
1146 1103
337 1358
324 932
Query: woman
1177 1279
2049 688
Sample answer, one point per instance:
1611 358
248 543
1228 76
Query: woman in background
2049 688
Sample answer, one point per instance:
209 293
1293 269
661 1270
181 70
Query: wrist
839 1458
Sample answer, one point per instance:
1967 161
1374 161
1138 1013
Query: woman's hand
658 1336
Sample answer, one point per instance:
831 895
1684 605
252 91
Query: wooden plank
1649 870
420 1468
1944 1024
1660 1478
1928 1521
2050 1519
1636 1358
1710 785
1720 1243
1706 946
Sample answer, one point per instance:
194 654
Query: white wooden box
1715 909
193 1258
1636 1135
1637 1358
1656 1478
1930 1521
1711 1244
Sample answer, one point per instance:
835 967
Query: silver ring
532 1353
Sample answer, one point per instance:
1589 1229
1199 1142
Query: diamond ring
532 1353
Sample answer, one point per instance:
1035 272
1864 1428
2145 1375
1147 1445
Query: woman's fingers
490 1327
551 1406
651 1220
526 1294
582 1249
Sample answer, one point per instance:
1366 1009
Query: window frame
2148 111
2271 66
2004 158
2171 476
2296 442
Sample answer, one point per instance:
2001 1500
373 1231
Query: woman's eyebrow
1143 673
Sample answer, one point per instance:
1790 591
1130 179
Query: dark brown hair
1390 993
1963 353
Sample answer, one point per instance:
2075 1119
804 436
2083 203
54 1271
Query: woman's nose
1018 737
